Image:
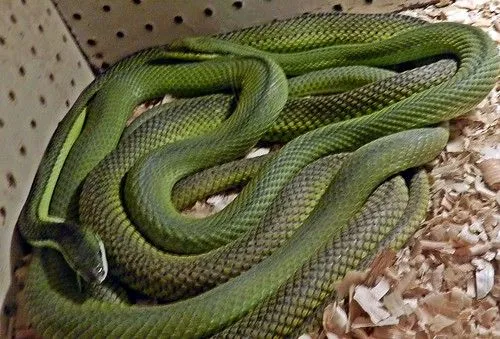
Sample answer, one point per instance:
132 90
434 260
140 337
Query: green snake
266 264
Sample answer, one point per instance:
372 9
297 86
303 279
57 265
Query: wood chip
438 277
393 332
335 319
491 173
485 278
440 322
471 288
359 333
405 282
460 298
380 289
456 145
496 24
351 279
330 335
395 305
354 309
443 246
488 317
382 261
467 236
369 303
257 152
449 304
219 201
443 3
480 249
364 322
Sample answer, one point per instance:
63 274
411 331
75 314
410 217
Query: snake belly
270 258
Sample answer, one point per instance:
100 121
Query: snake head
84 251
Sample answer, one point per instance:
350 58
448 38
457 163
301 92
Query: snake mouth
101 271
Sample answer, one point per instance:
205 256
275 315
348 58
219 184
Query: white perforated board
110 29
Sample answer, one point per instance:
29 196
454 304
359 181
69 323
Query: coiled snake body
265 265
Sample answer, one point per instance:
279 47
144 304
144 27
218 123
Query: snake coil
266 264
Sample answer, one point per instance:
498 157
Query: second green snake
273 255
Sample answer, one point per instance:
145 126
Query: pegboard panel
108 30
42 72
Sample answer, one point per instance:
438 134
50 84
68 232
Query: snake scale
105 201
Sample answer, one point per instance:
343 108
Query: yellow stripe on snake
353 97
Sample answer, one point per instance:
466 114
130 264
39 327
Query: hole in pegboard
11 180
13 19
22 71
64 38
77 16
49 12
106 8
2 40
22 150
42 100
238 4
40 28
208 12
72 82
2 123
67 103
23 2
3 214
33 123
51 77
58 57
98 55
369 2
337 7
149 27
178 19
33 50
91 42
137 2
104 65
79 64
120 34
12 95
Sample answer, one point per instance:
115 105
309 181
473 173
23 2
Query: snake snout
93 264
84 252
100 269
